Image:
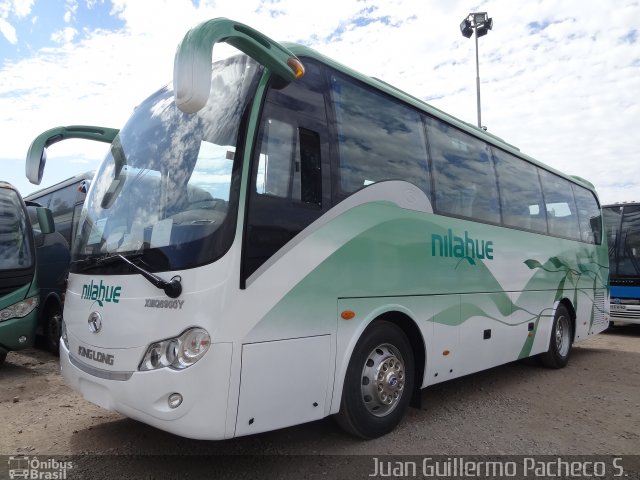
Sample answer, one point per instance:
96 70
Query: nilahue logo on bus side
100 292
461 246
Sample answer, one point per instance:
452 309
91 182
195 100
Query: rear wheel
561 340
52 325
379 382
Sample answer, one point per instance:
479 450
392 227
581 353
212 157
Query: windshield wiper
172 288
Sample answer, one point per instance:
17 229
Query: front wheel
379 382
561 340
52 326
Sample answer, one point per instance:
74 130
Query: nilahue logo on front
461 246
100 292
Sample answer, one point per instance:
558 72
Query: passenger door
290 177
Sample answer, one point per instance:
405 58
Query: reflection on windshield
15 250
623 231
169 180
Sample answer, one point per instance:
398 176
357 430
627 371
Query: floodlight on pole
481 23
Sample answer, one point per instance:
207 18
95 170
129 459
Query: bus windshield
168 189
623 230
15 247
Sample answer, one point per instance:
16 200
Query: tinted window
520 193
463 173
629 243
562 216
378 138
589 216
44 200
61 205
612 221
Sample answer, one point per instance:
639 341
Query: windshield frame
216 241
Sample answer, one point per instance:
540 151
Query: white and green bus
275 238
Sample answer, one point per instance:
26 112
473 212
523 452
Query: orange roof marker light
192 64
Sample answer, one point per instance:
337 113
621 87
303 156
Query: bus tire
3 355
560 343
379 382
52 326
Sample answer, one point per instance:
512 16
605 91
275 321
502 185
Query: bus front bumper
144 396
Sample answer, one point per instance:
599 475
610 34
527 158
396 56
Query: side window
62 204
378 138
44 200
562 215
276 158
289 165
463 174
589 215
612 221
520 193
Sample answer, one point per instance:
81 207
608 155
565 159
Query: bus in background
276 238
622 223
19 294
65 200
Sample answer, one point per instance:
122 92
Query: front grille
625 313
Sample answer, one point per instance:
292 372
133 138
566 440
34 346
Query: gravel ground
591 407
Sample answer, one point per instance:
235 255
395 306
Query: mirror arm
36 156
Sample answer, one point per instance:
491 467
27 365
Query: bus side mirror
192 64
84 186
45 219
37 154
36 160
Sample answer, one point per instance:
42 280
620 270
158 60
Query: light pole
481 23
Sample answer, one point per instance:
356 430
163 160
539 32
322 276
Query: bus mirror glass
45 219
36 160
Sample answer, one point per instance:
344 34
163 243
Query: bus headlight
63 334
19 309
177 353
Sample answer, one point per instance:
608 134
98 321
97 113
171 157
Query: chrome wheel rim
563 340
383 380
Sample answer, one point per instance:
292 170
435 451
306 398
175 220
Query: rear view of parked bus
18 283
622 222
276 238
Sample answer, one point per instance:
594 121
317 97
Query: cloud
15 8
66 35
556 80
8 31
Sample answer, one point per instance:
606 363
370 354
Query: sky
559 80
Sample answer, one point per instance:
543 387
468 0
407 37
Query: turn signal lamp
296 66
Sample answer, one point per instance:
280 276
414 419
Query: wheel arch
572 315
52 299
403 319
